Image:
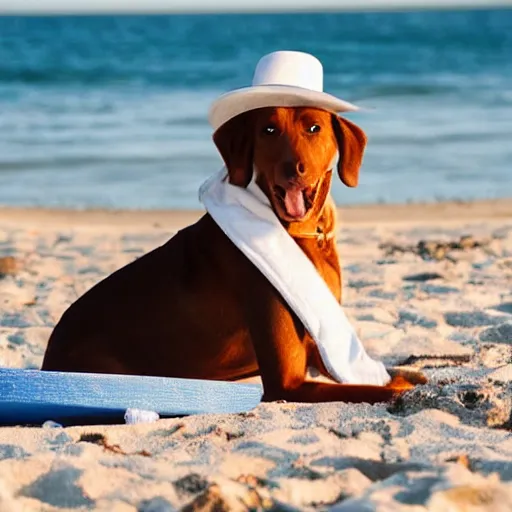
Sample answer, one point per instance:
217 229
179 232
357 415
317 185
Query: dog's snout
292 170
289 170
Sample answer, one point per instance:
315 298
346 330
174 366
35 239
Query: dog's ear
351 143
235 143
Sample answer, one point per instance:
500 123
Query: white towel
247 219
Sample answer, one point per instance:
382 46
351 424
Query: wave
400 90
90 162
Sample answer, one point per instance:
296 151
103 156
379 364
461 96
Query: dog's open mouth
295 201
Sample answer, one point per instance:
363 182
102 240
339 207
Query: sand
446 446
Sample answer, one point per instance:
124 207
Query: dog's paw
409 376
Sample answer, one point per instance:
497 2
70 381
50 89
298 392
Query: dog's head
293 151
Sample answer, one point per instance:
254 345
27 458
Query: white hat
281 79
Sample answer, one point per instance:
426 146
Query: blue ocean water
111 111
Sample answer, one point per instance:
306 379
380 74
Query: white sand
446 446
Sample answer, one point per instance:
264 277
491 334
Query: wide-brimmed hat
281 79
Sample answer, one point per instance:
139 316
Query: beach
427 287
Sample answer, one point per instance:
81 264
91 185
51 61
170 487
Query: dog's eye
270 130
315 128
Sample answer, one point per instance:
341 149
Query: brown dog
197 307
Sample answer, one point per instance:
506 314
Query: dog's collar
320 236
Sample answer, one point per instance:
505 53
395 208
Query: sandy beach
426 286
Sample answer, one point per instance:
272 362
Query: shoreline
418 213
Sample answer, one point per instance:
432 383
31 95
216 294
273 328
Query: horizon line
99 7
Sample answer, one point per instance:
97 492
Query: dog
196 307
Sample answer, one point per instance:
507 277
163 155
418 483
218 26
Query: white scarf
247 219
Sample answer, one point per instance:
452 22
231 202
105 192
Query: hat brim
237 102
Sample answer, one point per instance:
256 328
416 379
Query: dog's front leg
278 339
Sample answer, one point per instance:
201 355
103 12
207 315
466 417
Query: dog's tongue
294 203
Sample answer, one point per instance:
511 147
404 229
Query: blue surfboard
31 397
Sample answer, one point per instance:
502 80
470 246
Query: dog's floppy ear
235 144
351 143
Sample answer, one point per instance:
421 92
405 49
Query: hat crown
296 69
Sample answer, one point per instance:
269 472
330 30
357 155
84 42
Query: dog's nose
293 169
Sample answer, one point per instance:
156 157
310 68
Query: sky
170 6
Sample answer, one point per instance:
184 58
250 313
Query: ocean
111 111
